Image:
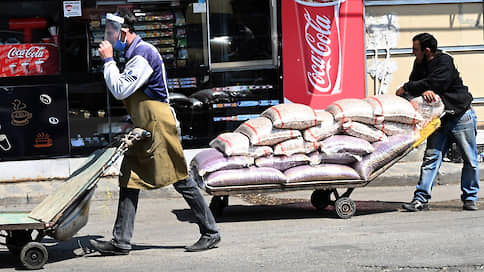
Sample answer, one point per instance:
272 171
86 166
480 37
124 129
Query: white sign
72 8
199 8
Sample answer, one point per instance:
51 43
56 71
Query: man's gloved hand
135 135
139 133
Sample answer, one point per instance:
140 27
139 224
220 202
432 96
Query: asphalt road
283 232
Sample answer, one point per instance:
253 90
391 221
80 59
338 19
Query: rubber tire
34 255
320 199
345 207
17 241
218 204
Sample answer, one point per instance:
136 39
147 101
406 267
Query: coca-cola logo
317 36
32 52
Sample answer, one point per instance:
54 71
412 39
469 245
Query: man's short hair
129 19
426 41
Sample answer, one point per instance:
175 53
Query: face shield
112 32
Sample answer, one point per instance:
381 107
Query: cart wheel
320 199
345 207
17 240
34 255
218 204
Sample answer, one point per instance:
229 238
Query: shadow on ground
262 207
64 250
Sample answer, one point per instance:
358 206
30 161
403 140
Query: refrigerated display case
33 96
65 52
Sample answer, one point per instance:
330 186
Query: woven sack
295 116
245 176
293 146
320 172
231 143
384 152
282 162
394 108
345 144
363 131
352 109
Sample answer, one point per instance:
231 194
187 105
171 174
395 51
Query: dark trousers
128 203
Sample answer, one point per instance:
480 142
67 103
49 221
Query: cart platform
18 221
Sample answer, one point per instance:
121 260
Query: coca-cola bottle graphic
321 45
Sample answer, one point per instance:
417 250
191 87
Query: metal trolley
64 212
323 190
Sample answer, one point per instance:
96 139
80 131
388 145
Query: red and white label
323 51
28 59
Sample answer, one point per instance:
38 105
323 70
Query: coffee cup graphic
19 116
321 45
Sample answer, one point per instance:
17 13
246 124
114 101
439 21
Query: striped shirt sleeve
136 73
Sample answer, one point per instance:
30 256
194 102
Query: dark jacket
441 76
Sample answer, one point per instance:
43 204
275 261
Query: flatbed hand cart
64 212
321 197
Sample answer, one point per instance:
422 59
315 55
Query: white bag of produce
211 160
352 109
428 111
394 108
327 127
245 176
260 132
384 152
336 158
346 144
231 143
320 172
260 151
393 128
293 146
363 131
282 162
295 116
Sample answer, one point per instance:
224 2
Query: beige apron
158 161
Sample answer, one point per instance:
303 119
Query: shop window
242 33
29 41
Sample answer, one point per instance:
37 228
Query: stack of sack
291 143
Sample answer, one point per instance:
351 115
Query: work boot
416 205
107 248
204 243
470 205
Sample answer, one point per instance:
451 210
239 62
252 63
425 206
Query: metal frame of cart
64 212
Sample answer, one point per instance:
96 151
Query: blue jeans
461 130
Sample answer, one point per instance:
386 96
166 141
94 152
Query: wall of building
458 28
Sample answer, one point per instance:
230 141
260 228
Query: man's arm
136 73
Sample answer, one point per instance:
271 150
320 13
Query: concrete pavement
284 237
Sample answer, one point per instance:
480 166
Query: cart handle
431 127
